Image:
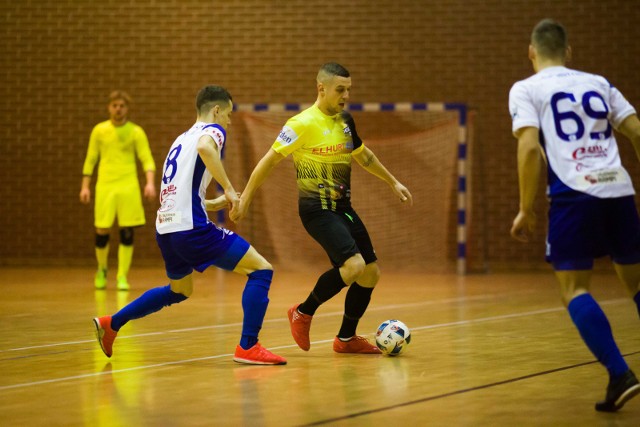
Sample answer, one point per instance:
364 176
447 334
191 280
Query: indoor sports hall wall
60 59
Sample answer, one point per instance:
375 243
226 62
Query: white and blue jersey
574 112
187 238
592 211
185 181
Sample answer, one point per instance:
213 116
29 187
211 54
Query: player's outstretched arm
630 127
371 164
216 204
530 160
210 155
259 175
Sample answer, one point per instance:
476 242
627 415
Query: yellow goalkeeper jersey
117 147
322 147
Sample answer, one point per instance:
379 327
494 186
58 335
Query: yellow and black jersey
321 146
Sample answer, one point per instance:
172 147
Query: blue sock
595 330
636 298
254 304
147 303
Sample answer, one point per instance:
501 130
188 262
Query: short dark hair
550 39
334 69
331 69
210 96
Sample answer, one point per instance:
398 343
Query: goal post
424 145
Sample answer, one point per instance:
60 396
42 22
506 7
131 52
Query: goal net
419 147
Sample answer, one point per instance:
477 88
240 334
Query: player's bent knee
183 291
629 275
182 286
370 276
356 263
352 269
568 296
263 264
573 283
570 291
252 261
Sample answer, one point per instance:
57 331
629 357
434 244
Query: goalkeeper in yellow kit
116 143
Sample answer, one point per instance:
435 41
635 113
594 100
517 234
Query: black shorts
341 234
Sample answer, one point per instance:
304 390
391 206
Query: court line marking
219 356
453 393
227 325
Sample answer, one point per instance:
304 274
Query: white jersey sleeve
521 107
185 180
621 107
574 112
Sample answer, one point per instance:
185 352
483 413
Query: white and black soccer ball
393 337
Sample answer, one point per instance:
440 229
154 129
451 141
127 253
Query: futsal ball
393 337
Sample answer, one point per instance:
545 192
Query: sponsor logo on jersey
604 177
331 149
167 205
287 136
595 151
168 218
216 134
170 190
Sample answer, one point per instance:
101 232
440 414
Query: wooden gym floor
487 350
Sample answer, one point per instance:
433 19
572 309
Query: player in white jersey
187 238
183 189
566 117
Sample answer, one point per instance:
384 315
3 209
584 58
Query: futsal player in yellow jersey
323 140
116 143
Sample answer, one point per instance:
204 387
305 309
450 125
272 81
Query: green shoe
123 285
100 280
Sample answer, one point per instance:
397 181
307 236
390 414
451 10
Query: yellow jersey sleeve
142 150
93 153
291 137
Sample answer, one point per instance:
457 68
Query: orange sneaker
257 355
105 334
357 344
300 324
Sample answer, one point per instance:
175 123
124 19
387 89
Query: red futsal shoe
105 334
300 325
357 344
257 355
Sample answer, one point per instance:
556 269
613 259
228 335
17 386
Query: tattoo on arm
368 161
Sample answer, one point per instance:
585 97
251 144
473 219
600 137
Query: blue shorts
582 228
184 251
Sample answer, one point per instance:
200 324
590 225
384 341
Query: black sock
328 286
355 304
